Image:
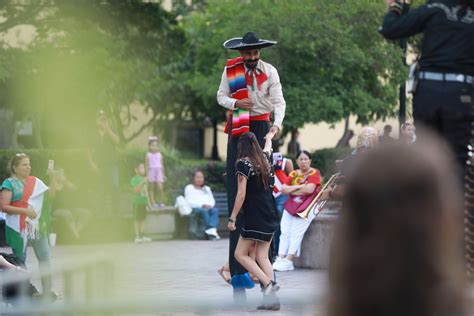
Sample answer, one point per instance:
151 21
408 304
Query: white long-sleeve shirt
197 197
267 99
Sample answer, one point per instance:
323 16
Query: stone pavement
180 278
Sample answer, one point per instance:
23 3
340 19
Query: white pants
292 233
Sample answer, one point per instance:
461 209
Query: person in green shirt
140 201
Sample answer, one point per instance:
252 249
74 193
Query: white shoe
211 231
138 240
283 265
146 239
278 264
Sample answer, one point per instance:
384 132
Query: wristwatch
232 220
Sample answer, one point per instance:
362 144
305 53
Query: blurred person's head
387 129
397 248
366 139
198 178
140 170
409 132
102 119
249 148
20 165
303 160
153 145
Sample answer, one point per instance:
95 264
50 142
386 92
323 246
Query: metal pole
402 92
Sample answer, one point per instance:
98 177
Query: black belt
450 77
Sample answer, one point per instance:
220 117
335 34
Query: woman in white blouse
200 198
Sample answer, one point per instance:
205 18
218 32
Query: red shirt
312 176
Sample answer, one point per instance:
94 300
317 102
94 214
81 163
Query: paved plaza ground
180 278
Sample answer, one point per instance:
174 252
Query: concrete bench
162 223
317 241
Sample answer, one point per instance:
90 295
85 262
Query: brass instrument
304 214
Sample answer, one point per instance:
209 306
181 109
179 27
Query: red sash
28 187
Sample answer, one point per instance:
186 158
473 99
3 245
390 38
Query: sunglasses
21 155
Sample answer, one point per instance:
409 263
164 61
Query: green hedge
178 170
324 159
78 170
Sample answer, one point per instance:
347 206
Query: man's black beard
251 63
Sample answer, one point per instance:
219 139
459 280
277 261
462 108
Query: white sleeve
211 196
223 94
190 197
276 97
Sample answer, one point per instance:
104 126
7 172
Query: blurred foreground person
397 248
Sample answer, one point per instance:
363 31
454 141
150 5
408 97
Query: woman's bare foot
224 272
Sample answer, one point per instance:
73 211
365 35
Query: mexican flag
20 228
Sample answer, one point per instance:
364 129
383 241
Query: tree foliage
91 55
331 59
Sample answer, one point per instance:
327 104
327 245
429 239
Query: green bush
178 170
78 170
324 159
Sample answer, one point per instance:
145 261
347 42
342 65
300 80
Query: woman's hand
31 213
231 226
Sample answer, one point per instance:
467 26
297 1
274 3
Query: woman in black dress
260 217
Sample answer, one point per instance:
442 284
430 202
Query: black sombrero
249 41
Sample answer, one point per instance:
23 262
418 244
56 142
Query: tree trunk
346 135
215 152
37 130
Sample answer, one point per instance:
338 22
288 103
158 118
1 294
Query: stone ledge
317 241
161 223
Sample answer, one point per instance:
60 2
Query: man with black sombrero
250 89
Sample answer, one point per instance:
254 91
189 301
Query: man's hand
231 226
274 130
245 104
206 206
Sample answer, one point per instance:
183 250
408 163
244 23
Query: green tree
331 59
89 55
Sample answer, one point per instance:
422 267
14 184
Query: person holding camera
444 88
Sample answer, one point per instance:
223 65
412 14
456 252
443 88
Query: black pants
448 108
260 129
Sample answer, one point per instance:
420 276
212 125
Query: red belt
261 117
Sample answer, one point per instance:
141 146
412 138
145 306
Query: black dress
260 217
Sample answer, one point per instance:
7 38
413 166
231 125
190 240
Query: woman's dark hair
248 147
195 172
298 154
15 161
397 248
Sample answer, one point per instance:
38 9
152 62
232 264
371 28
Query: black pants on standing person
260 129
448 108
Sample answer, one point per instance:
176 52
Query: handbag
183 206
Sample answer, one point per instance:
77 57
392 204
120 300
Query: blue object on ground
242 281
